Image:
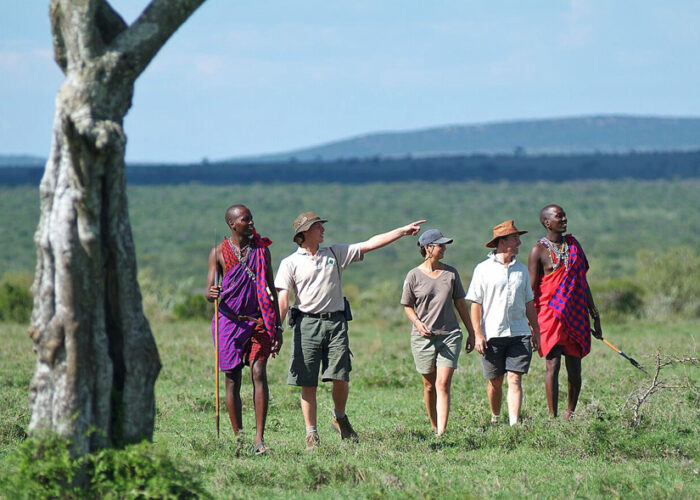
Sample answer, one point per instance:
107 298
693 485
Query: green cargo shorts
436 350
319 343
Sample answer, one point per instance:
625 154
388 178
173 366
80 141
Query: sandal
260 449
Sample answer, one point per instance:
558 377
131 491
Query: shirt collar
492 256
304 251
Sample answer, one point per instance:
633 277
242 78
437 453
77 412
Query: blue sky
260 76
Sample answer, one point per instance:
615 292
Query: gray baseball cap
433 237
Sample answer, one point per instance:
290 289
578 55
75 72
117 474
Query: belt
325 315
242 317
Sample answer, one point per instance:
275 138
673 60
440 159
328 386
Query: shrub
15 300
672 282
619 298
44 468
193 305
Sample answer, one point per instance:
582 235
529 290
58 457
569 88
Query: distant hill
582 135
21 161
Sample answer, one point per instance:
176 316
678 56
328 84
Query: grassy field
174 226
600 454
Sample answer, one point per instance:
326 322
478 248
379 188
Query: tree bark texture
97 361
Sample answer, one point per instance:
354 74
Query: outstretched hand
413 228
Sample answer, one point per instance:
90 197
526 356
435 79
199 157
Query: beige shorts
436 350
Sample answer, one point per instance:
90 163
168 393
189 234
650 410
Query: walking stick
216 341
631 360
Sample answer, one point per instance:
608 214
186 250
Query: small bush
193 306
15 300
619 298
672 282
44 468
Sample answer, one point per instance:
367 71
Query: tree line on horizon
485 168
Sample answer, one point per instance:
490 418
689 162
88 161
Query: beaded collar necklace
242 256
558 250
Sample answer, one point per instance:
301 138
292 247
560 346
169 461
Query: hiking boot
342 426
312 441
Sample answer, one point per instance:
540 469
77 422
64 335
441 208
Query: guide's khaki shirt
315 279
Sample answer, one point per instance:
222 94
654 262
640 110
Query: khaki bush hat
503 229
305 220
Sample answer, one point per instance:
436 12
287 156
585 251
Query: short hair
231 212
544 211
423 251
299 238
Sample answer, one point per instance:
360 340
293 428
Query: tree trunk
97 361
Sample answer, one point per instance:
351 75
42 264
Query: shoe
260 449
342 426
312 441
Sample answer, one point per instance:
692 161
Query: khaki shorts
436 350
319 343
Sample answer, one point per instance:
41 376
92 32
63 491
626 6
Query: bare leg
551 384
233 398
308 405
443 383
341 389
429 395
494 391
261 395
573 370
515 396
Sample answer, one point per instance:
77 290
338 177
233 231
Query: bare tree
97 361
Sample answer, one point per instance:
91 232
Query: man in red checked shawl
563 300
249 325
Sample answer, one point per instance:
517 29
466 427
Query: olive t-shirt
432 299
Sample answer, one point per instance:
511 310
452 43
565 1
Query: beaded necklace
242 257
560 251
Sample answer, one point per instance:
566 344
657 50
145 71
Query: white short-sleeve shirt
502 290
316 279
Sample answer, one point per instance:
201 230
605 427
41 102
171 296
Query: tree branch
59 45
109 23
156 24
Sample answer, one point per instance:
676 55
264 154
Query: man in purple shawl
249 320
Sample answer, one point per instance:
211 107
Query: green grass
174 226
598 455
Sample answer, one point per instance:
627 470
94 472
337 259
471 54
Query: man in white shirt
319 319
504 319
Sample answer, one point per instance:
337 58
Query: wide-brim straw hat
305 220
503 229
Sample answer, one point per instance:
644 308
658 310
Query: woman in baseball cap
429 292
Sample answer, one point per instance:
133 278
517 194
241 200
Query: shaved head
233 211
547 212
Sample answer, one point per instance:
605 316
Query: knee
259 373
514 379
443 385
575 378
428 384
553 367
496 383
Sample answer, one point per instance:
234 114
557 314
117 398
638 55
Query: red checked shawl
560 300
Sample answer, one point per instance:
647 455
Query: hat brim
307 225
492 243
442 241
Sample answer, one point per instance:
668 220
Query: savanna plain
635 435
